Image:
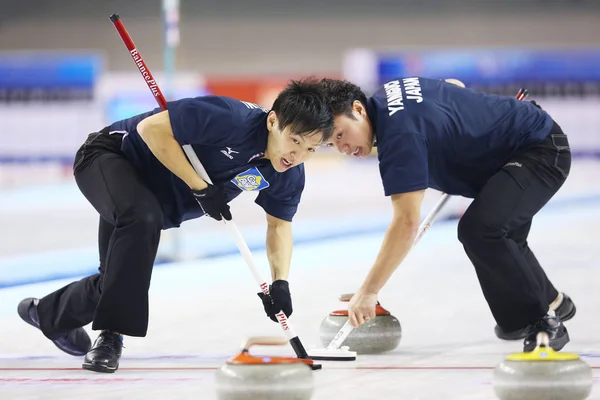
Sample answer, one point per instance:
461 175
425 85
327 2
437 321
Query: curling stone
542 374
249 377
381 334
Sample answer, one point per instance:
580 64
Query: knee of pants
146 217
473 230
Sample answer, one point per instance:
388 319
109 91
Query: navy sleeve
207 120
403 163
281 199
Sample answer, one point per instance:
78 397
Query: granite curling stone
542 374
246 376
379 335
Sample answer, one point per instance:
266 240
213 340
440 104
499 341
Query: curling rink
202 309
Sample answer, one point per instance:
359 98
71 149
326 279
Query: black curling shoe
105 354
75 342
557 333
565 312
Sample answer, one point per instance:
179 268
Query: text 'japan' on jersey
431 133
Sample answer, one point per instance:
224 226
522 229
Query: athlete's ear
271 120
359 108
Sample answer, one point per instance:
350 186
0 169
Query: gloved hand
280 299
213 202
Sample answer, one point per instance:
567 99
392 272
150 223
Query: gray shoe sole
97 367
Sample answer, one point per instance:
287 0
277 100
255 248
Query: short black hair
304 107
341 95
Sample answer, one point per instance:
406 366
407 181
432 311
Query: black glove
280 299
213 202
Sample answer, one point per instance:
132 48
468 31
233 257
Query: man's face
353 136
286 149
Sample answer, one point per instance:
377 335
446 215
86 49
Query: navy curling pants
131 220
495 227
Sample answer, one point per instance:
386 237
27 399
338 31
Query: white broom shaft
343 333
240 242
433 214
339 338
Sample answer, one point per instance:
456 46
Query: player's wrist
370 288
198 184
279 275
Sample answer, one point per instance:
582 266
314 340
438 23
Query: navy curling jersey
430 133
230 137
